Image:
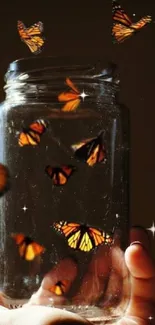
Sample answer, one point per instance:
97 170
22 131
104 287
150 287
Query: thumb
40 315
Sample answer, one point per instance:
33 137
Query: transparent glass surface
64 231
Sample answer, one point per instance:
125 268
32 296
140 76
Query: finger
140 234
45 298
39 315
142 270
94 281
3 300
65 270
117 290
56 284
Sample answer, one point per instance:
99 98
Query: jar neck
42 83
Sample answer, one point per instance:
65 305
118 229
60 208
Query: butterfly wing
64 174
122 24
35 29
86 244
70 95
71 98
66 228
21 29
4 174
91 151
82 237
60 287
92 238
22 250
38 126
71 231
120 33
67 96
28 249
80 144
32 36
35 44
59 175
74 239
28 138
99 236
71 106
119 15
59 178
97 155
33 250
31 135
72 86
19 238
142 22
57 289
82 148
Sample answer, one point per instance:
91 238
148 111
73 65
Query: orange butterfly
4 175
90 151
32 36
59 288
82 237
123 26
60 175
28 248
31 135
72 98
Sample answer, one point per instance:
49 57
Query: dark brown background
84 27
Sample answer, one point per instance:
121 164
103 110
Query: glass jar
64 208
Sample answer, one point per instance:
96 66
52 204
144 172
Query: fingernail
136 242
141 235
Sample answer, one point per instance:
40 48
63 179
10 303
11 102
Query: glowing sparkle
117 215
134 15
83 95
150 317
152 228
24 208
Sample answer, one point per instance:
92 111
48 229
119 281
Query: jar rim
38 62
83 66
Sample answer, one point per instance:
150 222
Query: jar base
92 313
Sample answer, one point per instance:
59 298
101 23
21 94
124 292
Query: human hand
139 310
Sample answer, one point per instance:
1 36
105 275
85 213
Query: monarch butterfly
31 36
90 150
59 288
59 175
31 135
82 237
28 248
4 175
123 26
72 98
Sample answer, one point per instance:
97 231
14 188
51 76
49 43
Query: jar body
88 281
